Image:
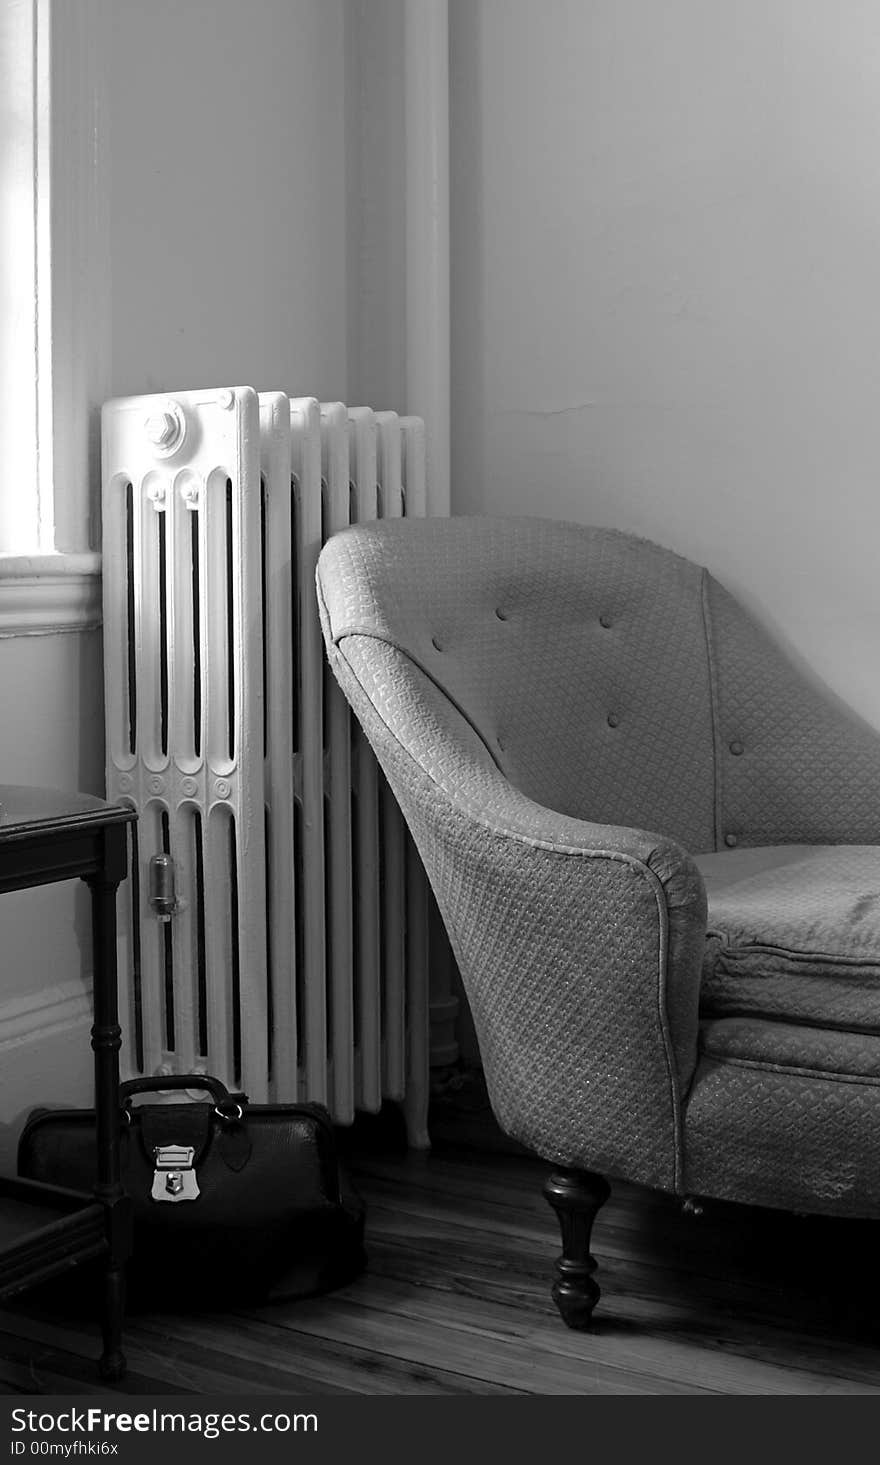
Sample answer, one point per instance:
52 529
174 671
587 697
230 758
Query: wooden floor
455 1300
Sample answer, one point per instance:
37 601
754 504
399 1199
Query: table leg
106 1042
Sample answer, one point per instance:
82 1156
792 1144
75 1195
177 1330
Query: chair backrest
578 655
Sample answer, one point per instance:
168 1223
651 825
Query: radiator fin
295 963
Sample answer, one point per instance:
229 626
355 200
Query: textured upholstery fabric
563 713
608 722
791 1137
562 931
794 933
795 766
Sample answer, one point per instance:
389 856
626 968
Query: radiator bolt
190 787
222 789
125 782
156 785
162 428
165 428
226 399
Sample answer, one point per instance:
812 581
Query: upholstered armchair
656 849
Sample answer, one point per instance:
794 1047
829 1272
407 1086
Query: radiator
273 928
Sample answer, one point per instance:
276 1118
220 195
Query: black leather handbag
231 1201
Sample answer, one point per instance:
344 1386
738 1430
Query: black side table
46 836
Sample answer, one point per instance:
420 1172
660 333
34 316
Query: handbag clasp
174 1178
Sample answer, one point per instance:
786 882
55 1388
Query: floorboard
455 1300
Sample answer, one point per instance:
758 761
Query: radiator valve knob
165 428
161 429
163 895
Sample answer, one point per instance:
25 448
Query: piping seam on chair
444 692
865 1080
715 706
827 958
388 641
665 1032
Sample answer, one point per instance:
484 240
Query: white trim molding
37 1015
45 594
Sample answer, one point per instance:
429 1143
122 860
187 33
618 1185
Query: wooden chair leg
576 1196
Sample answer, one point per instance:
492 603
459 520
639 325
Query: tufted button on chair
656 849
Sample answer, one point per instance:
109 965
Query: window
53 326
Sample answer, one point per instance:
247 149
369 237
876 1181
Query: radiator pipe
427 235
163 887
428 350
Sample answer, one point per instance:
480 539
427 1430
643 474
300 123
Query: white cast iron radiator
273 930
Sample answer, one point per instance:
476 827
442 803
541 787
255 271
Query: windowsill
48 594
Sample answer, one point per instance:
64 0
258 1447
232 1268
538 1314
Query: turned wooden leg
576 1196
106 1042
112 1363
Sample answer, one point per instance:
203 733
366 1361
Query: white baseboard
35 1016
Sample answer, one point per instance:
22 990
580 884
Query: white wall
228 228
666 228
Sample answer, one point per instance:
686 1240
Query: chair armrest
580 945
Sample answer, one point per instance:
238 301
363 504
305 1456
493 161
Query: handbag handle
228 1106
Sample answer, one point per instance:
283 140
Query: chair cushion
794 935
